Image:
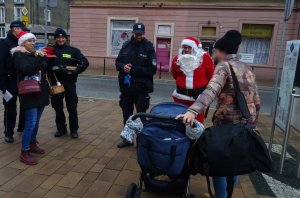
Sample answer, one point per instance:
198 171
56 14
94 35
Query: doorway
163 52
208 45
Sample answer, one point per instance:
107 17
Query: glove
127 80
77 71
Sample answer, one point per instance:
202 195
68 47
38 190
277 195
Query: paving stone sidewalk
91 166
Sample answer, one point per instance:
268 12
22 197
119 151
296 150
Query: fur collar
19 49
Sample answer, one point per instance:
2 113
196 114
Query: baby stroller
162 150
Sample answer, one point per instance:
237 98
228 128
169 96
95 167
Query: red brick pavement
90 166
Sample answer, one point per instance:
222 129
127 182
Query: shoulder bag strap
239 96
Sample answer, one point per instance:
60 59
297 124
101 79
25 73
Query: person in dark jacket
8 81
31 65
69 63
136 64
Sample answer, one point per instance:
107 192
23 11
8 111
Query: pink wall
89 27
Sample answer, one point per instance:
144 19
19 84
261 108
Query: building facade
31 13
100 27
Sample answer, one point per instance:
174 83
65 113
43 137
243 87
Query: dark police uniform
136 86
8 81
67 56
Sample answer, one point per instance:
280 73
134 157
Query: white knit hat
24 36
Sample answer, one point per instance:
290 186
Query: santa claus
192 69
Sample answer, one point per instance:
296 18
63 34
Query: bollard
160 70
104 66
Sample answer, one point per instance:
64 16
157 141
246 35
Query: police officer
136 64
8 81
69 63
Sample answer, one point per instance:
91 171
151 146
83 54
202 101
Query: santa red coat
198 78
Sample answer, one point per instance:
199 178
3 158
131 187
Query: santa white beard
189 62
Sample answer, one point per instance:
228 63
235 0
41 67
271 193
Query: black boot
124 143
60 133
74 134
9 139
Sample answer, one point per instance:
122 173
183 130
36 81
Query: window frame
273 40
109 31
4 35
165 36
15 11
2 21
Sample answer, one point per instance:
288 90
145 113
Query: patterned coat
221 87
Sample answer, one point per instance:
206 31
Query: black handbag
230 149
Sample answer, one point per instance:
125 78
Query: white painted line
280 189
277 148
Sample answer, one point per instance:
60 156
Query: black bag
230 149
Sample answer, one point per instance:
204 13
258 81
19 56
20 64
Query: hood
19 49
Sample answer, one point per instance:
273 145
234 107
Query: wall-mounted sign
246 58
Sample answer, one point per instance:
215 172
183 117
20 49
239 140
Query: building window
19 1
164 29
256 43
120 32
18 13
2 15
2 1
209 31
2 32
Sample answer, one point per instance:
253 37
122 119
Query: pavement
92 166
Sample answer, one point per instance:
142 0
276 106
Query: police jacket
68 56
142 57
6 61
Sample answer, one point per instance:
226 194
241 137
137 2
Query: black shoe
60 133
20 130
124 143
74 135
9 139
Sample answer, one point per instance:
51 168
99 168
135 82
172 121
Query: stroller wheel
131 191
137 194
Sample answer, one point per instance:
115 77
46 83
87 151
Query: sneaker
74 135
124 143
60 133
27 158
9 139
34 148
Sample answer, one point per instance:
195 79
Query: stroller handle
160 117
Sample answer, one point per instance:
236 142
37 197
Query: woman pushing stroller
221 87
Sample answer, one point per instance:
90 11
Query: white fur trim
18 49
190 43
182 97
25 37
189 80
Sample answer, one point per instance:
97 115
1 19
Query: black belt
190 92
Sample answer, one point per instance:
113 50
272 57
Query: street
107 88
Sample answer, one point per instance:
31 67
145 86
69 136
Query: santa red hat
24 36
192 42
